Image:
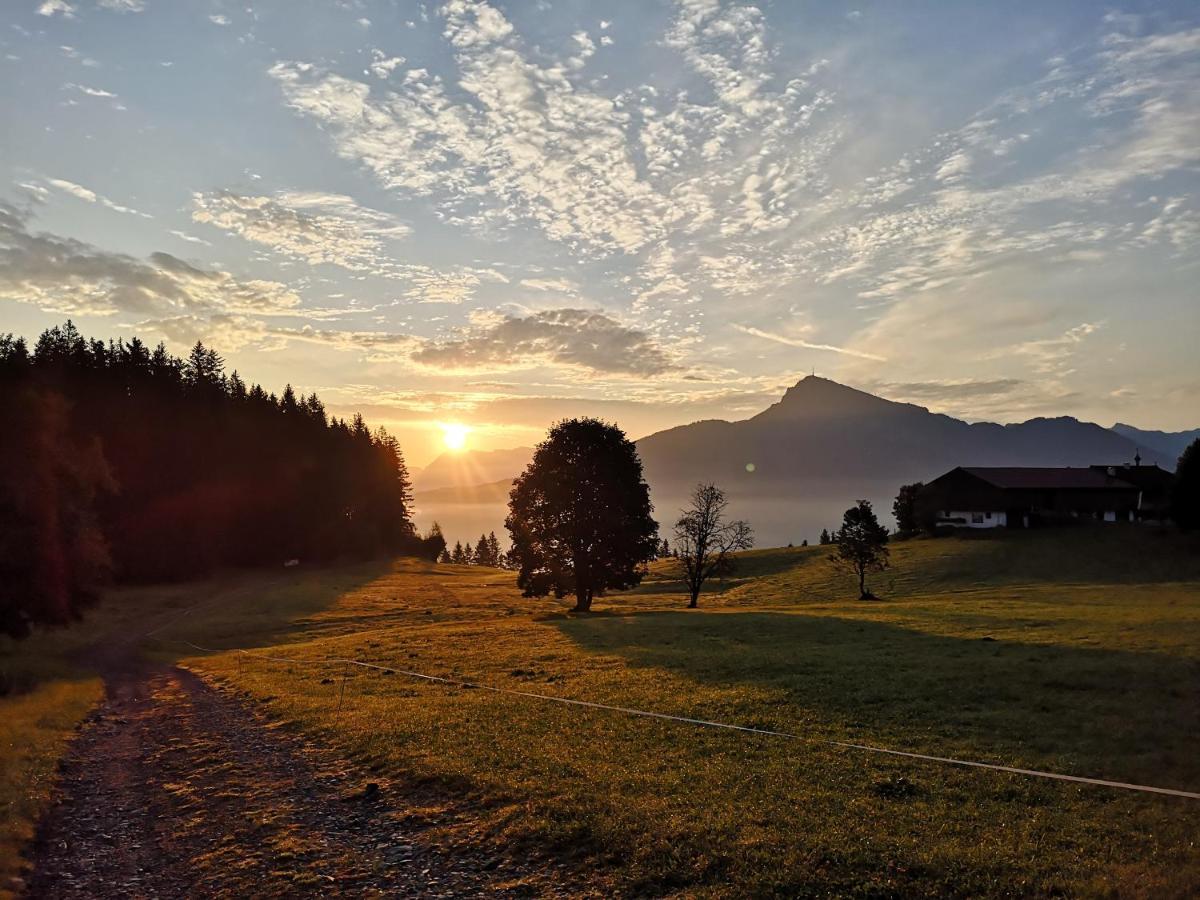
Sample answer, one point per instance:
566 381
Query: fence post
341 691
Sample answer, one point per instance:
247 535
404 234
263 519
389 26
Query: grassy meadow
1076 651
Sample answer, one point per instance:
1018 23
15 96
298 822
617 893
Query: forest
123 462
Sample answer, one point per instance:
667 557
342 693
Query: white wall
990 519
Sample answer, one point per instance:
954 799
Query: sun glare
454 435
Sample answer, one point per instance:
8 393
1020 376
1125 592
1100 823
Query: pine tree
459 556
482 557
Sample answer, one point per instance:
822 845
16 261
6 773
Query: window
987 515
976 518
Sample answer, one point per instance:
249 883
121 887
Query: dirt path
176 789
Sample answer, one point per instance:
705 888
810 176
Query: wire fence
704 723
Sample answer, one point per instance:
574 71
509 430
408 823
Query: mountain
822 430
474 467
1168 443
795 467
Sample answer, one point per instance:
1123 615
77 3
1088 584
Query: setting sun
454 435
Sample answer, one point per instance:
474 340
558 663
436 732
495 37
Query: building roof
1043 478
1145 477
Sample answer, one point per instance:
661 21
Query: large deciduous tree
1185 497
704 539
861 545
906 509
579 515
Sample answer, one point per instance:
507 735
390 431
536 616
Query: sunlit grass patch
976 653
35 728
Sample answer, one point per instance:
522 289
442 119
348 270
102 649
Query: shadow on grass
1119 714
254 609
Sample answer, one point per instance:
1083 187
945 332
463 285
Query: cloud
219 20
948 391
333 229
314 227
519 142
1052 356
572 338
383 65
123 6
90 196
91 91
807 345
56 8
558 285
190 238
64 275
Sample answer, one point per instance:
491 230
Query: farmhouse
1019 497
1155 485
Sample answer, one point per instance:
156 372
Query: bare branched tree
704 540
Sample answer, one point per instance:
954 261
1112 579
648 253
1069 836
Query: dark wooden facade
1021 497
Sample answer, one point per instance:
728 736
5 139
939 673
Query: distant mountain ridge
794 467
820 429
1167 443
474 467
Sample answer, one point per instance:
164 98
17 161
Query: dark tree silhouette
205 471
53 556
704 540
579 514
1185 496
905 509
459 556
433 544
825 539
861 545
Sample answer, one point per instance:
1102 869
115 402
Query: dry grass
1077 652
34 730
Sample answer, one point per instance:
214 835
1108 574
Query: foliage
179 469
906 509
53 555
579 514
825 538
1185 496
487 551
705 540
433 545
861 545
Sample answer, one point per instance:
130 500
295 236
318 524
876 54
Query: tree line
486 552
123 461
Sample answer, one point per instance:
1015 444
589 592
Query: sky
501 214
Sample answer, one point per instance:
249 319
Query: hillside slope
1168 443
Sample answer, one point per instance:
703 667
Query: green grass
1076 652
